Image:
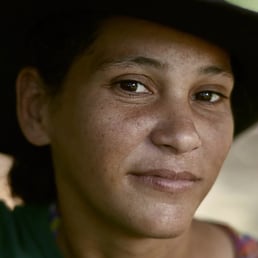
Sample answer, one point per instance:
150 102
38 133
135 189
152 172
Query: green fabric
25 233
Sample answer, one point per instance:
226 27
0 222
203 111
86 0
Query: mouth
166 180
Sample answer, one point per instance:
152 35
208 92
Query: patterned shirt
25 233
245 245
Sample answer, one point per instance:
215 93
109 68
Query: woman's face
141 127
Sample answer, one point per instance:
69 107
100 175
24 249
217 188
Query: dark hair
52 45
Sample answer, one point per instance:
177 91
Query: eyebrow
216 70
154 63
131 61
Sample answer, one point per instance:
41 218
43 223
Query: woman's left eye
132 86
208 96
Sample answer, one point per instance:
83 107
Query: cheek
103 139
217 142
115 133
97 134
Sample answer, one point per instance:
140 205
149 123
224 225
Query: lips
166 180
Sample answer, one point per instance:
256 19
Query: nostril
177 137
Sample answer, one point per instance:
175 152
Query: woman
131 114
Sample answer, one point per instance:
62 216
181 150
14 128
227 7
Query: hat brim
230 27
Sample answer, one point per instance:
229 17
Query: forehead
124 36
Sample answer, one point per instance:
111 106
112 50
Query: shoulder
225 241
16 223
26 231
24 215
6 220
245 245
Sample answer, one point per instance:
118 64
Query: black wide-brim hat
229 26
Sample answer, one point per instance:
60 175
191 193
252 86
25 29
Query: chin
168 231
161 224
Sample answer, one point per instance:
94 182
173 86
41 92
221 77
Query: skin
101 131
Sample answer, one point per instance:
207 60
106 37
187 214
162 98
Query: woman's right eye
132 86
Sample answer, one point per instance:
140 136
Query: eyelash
134 84
196 97
209 94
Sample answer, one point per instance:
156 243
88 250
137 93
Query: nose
177 134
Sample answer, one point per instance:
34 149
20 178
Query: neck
118 248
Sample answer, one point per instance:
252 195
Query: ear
32 106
